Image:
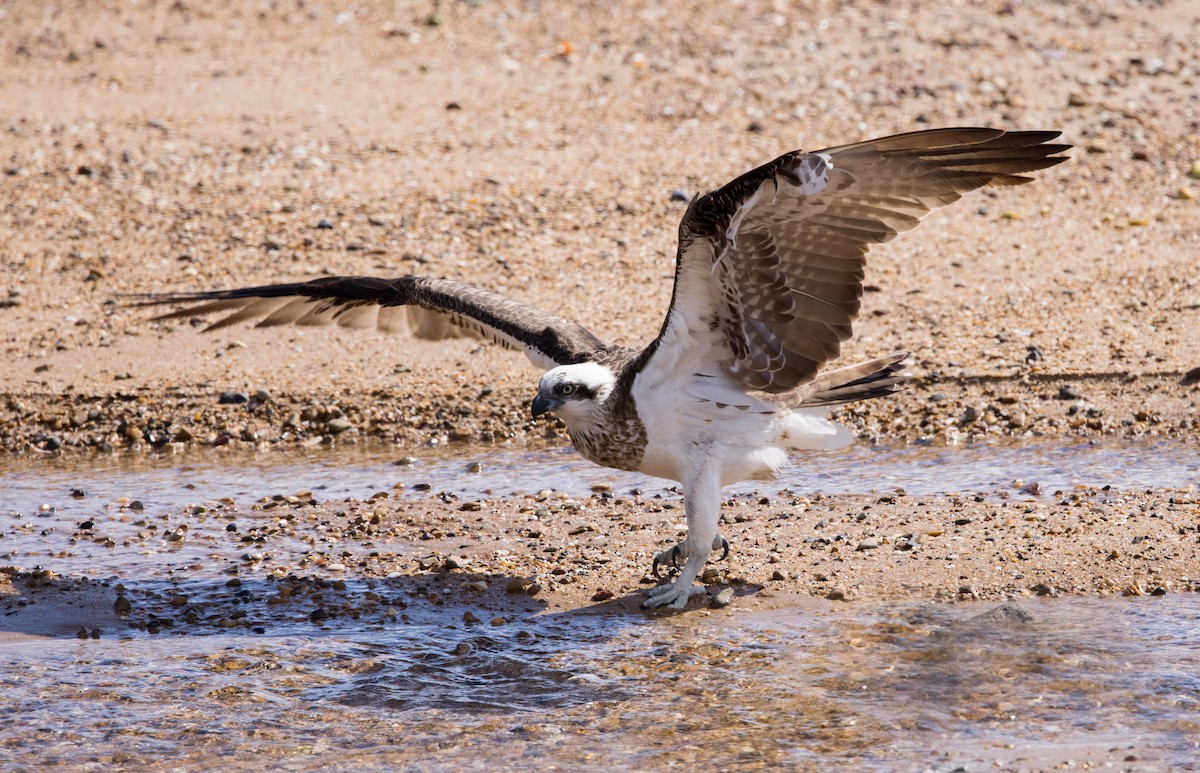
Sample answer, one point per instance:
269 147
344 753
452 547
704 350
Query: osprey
768 279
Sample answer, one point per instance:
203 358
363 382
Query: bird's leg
678 552
702 503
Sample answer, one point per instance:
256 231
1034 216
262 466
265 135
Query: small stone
679 195
870 543
518 585
1194 172
778 575
338 425
837 594
475 467
470 506
722 599
1068 392
318 616
1005 614
325 224
499 621
233 398
1185 194
603 595
122 606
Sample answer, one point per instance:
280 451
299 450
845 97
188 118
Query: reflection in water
884 687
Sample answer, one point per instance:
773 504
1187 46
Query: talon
654 567
675 556
725 548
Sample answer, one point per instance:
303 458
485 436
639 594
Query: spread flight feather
768 281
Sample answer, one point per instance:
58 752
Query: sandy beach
195 146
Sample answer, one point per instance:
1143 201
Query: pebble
233 398
679 195
518 585
1068 392
870 543
338 425
603 595
722 599
1005 614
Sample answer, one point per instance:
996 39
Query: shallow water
358 471
815 686
909 687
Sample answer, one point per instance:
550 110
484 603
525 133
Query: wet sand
536 152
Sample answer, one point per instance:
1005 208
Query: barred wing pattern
774 260
419 306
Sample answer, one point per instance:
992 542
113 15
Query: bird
769 277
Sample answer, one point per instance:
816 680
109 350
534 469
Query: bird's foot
674 595
678 552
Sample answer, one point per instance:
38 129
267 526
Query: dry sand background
533 148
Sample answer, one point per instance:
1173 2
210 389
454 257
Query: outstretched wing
769 275
418 306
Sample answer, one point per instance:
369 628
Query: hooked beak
542 404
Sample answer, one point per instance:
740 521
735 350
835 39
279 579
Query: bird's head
574 392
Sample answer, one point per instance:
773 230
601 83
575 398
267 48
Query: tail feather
862 381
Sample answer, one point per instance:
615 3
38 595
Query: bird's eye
566 389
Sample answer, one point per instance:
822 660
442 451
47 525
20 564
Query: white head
574 392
